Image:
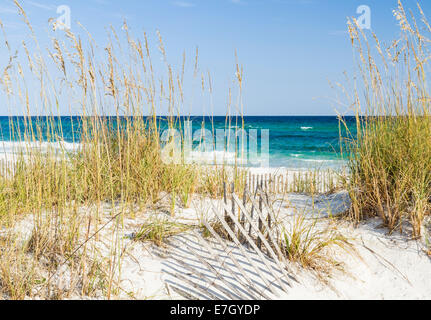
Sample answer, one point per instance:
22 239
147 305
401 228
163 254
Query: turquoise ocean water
294 141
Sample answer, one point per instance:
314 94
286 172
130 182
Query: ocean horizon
295 142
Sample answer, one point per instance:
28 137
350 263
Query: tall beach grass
390 158
117 91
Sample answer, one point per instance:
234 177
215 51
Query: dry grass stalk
117 161
389 153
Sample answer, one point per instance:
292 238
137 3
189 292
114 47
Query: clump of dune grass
313 246
159 230
211 181
54 261
18 272
255 223
116 92
428 246
316 181
389 155
426 234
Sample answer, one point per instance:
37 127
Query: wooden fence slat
320 182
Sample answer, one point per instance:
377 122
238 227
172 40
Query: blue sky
289 48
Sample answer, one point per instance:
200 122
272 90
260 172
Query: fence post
259 241
232 225
241 214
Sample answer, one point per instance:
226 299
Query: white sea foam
9 149
216 157
306 128
296 155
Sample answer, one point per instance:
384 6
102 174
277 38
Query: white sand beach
382 267
242 160
385 267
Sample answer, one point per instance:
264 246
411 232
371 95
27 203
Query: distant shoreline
294 141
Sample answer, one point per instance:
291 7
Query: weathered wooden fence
278 183
242 230
296 181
